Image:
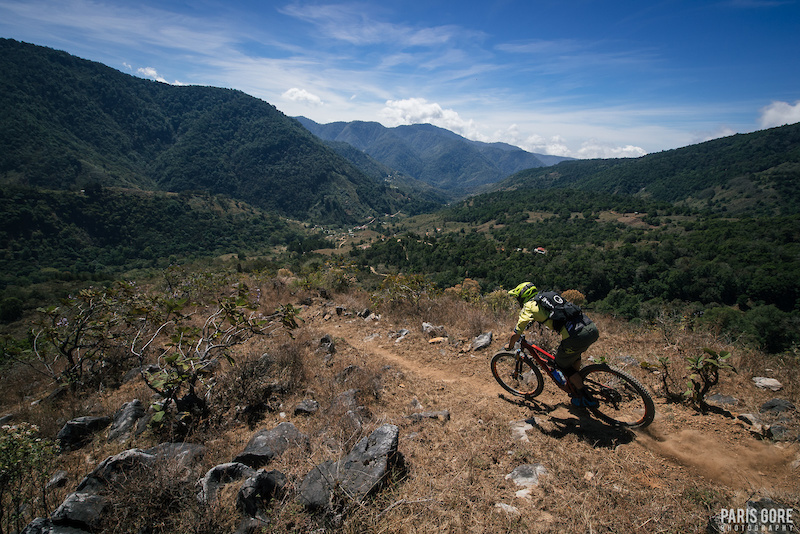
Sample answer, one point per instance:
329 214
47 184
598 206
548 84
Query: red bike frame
545 360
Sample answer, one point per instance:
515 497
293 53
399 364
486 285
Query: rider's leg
568 355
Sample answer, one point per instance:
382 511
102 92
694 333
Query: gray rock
777 406
399 335
306 407
327 344
58 480
345 401
482 341
722 400
220 475
767 383
179 454
80 510
260 488
125 420
359 474
42 525
433 331
749 418
78 432
269 443
759 517
527 475
113 467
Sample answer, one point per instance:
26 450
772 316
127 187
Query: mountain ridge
70 122
434 155
754 173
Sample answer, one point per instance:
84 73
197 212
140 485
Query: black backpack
561 311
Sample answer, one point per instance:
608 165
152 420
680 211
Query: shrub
704 374
25 461
574 296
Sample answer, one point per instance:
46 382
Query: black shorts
571 348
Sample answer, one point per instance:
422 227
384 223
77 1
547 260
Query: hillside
433 155
68 123
744 174
460 439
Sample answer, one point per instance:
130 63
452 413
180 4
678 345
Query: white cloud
596 149
420 111
553 146
150 72
301 95
779 114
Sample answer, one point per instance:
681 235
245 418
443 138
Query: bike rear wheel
623 401
518 376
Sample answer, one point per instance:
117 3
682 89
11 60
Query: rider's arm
530 312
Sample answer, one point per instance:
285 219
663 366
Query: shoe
583 401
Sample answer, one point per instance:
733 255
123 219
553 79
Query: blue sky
578 78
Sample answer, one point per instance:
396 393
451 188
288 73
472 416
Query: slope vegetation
68 122
750 174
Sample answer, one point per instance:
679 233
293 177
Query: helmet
524 292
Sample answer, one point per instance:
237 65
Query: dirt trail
710 447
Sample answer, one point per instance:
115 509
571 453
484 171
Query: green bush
25 461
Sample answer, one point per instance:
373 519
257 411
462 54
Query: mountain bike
622 400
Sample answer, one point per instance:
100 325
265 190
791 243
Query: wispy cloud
353 23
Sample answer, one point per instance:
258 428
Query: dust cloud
745 464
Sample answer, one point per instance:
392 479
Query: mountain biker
577 335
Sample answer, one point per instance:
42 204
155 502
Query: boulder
180 454
80 510
78 432
261 487
359 474
269 443
126 421
218 476
112 467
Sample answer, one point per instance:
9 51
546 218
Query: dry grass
671 478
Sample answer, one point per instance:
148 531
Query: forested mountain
433 155
68 122
756 173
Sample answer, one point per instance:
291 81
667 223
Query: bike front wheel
622 400
518 376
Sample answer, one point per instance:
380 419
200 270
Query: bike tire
527 382
623 400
